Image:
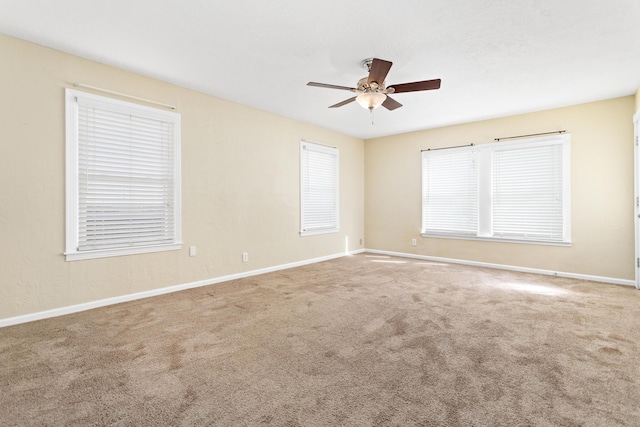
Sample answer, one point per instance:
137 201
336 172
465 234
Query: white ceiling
495 57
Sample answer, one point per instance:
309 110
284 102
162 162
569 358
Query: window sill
77 256
497 239
316 232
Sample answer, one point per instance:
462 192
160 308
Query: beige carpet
357 341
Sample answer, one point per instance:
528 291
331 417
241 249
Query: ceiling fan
372 90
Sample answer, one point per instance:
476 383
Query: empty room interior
319 213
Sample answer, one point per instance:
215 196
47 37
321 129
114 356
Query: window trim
485 191
325 149
72 169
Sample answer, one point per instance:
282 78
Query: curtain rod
499 139
447 148
317 143
533 134
124 95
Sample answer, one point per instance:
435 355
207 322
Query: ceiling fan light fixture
371 100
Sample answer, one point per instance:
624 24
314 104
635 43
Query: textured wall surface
240 187
601 191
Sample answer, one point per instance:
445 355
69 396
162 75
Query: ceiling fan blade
330 86
379 70
345 102
391 104
416 86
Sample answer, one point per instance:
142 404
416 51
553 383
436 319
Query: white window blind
319 189
518 191
123 177
450 192
528 194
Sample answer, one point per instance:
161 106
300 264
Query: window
516 191
123 178
318 189
450 186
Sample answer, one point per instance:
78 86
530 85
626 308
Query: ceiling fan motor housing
364 86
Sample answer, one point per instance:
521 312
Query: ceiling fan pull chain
371 110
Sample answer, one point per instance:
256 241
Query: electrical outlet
360 242
192 251
414 242
245 256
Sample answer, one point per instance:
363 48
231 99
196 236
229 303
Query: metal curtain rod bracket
447 148
533 134
112 92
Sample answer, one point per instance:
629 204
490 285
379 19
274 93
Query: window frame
485 191
335 227
72 168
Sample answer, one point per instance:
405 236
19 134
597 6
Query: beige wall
240 173
240 183
601 185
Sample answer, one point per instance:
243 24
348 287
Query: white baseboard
161 291
508 267
176 288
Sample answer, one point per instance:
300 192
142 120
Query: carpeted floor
357 341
